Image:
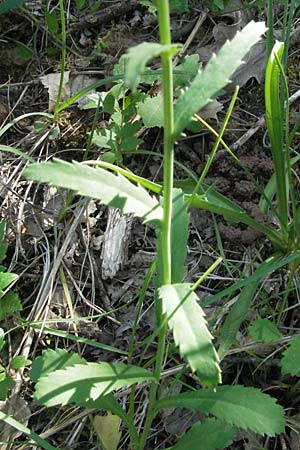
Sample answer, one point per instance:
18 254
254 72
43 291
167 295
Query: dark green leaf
236 316
264 330
6 383
240 406
210 434
7 5
290 362
9 304
51 21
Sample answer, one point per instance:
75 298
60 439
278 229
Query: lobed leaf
186 319
216 75
80 383
52 360
290 361
110 189
264 330
209 434
240 406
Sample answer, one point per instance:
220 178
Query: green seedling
176 304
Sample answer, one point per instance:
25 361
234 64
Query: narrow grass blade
23 116
27 431
274 121
186 319
74 338
273 263
235 318
16 151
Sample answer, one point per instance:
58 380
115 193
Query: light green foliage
210 434
81 382
186 319
239 406
52 360
290 362
19 361
120 134
119 192
138 57
216 75
264 330
151 111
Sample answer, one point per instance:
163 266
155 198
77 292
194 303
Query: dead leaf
80 82
107 429
51 82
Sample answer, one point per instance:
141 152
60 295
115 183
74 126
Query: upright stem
63 57
167 79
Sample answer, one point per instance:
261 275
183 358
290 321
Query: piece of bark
115 246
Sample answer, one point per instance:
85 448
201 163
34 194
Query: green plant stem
63 57
167 79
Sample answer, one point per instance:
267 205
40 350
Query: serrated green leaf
113 190
210 434
152 112
186 319
290 362
6 279
216 75
9 304
6 383
240 406
19 361
52 360
79 383
264 330
138 56
236 316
